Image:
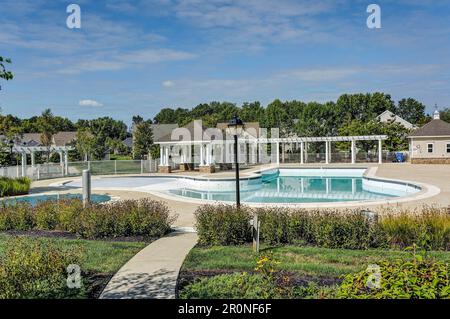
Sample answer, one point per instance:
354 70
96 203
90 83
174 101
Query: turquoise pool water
35 199
288 187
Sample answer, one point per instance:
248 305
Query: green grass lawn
101 260
303 261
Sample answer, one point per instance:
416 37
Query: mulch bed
96 282
68 235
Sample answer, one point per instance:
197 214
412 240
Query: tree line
351 114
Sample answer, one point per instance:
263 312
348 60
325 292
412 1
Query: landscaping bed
318 254
317 272
98 260
123 219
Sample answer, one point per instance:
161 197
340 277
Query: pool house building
208 148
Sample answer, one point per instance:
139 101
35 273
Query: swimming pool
305 186
35 199
277 186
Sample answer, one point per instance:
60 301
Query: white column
327 151
201 154
278 152
24 164
181 152
302 150
380 152
161 155
353 186
208 154
353 152
306 152
32 159
167 156
66 163
61 159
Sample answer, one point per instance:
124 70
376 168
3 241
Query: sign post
256 225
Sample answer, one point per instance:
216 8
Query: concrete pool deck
434 175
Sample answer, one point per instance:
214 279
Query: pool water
35 199
289 187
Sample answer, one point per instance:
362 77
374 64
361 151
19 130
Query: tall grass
14 186
428 227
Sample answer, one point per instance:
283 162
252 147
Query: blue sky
136 57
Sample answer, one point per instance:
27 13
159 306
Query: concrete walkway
152 273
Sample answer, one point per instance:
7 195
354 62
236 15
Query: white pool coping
426 191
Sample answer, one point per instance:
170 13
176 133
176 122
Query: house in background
34 139
388 116
430 144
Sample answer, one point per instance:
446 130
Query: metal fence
55 170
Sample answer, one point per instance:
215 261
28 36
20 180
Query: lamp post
235 126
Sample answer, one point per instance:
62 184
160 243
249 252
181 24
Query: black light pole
235 125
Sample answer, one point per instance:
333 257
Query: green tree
103 130
252 112
85 143
4 73
445 115
166 116
47 128
411 110
142 139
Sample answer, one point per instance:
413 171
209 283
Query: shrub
125 218
68 211
400 280
36 269
46 214
117 219
223 225
17 216
14 186
348 229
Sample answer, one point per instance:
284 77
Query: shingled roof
194 127
434 128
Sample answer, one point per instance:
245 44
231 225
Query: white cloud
92 103
168 84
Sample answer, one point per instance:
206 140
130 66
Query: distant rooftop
436 127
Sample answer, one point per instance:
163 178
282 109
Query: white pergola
327 140
206 147
32 150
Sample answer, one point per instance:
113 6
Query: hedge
36 269
142 217
14 186
428 227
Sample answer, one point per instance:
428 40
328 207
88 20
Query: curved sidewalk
152 273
